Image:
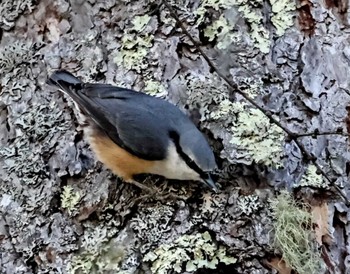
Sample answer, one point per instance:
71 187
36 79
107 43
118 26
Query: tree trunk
268 83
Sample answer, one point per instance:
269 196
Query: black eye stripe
191 163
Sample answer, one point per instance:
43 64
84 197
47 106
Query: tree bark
266 81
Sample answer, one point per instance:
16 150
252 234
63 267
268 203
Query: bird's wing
132 120
139 123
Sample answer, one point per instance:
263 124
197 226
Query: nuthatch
134 133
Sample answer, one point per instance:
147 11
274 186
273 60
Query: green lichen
312 178
205 92
249 204
213 30
257 139
282 15
154 87
191 251
133 51
166 19
226 108
70 199
250 11
254 137
251 85
293 235
98 253
140 22
213 4
135 45
221 30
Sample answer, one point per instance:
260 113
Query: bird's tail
63 80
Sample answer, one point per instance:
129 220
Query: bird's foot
144 188
153 193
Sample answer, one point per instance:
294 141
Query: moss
293 235
188 253
311 178
70 199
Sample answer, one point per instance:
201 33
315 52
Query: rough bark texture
63 212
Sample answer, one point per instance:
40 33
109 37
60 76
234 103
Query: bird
133 133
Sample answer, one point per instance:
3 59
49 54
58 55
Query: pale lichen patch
70 199
249 11
254 138
98 253
194 251
223 29
155 88
282 15
312 178
133 51
135 44
249 204
140 22
257 139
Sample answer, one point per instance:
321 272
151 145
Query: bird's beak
210 183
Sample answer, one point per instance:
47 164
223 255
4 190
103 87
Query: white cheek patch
174 167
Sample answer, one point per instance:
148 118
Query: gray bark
61 211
